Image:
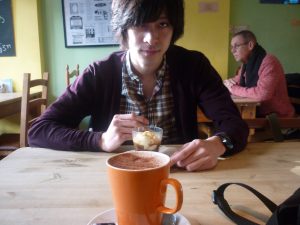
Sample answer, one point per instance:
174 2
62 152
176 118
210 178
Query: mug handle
179 196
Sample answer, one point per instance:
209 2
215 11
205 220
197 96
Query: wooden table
246 106
44 186
10 103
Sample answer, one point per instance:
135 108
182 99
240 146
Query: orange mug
139 182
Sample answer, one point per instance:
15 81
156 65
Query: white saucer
109 216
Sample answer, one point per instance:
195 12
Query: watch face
226 141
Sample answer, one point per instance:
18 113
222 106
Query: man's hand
119 130
199 154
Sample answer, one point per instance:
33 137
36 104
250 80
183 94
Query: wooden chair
273 125
73 73
31 109
11 142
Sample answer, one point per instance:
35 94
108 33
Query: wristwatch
225 141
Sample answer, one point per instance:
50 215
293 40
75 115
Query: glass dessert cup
147 138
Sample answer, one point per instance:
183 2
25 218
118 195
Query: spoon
169 219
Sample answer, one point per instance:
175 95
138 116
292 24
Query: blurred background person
260 76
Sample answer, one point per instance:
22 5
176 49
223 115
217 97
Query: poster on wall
87 23
7 41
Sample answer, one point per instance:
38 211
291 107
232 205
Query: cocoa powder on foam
136 161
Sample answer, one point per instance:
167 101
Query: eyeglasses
235 47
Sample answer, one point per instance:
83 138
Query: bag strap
218 199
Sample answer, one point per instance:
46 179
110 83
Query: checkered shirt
159 109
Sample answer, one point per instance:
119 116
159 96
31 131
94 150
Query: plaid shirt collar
159 108
127 71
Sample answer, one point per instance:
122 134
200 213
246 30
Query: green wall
272 24
57 56
212 41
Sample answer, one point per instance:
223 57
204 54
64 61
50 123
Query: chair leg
275 127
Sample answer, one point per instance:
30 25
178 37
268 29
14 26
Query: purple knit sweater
195 83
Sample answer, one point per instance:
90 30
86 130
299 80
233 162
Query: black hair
129 13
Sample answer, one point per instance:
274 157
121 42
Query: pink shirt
271 89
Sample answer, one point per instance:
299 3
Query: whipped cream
147 140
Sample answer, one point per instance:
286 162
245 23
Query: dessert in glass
147 138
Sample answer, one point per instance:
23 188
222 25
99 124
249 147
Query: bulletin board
7 41
87 23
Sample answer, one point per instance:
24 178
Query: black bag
287 213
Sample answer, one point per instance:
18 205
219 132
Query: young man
260 77
151 82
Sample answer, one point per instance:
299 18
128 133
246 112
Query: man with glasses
260 76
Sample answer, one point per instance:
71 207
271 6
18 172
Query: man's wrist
226 141
101 143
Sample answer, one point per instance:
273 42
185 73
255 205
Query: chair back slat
32 108
38 82
71 74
